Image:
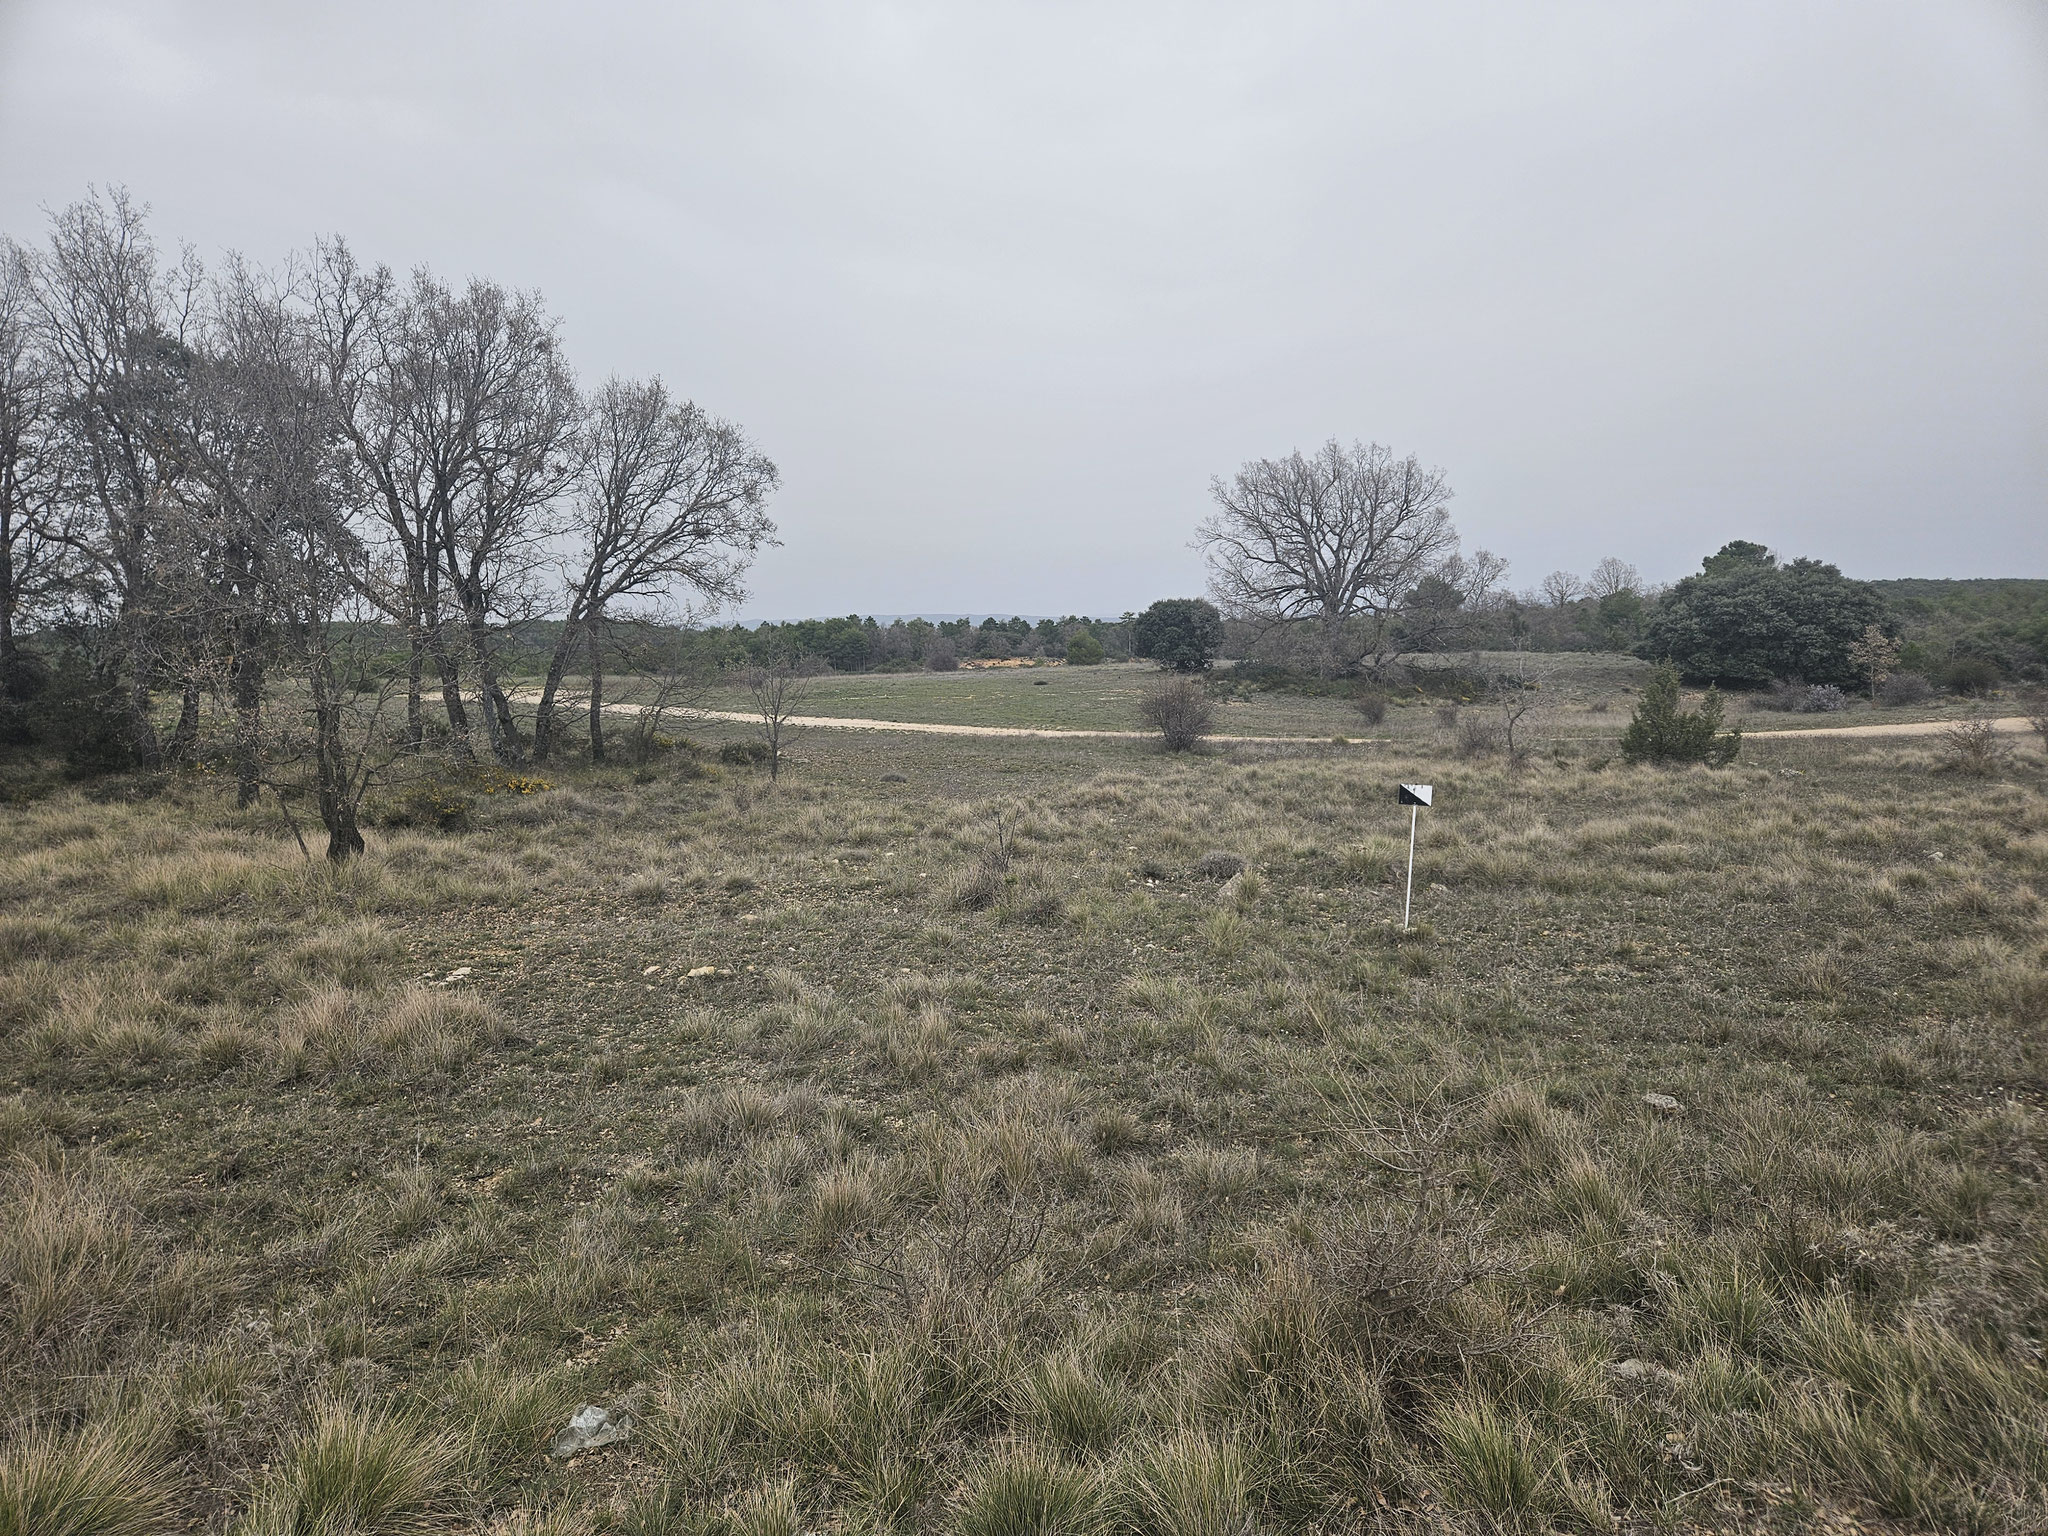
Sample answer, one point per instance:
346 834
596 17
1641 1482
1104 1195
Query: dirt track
2012 723
858 723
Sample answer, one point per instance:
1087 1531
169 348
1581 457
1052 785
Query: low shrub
1457 684
1972 676
2034 705
1820 699
1219 864
1371 704
1904 688
743 754
1179 708
1796 698
427 804
1478 736
1973 748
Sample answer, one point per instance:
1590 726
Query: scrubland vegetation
1053 1136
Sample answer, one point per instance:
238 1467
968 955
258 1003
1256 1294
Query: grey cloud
1000 287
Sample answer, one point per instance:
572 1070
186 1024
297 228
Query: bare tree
1520 707
778 691
40 565
110 320
526 412
667 500
1561 588
262 479
281 584
1612 576
456 408
670 676
1339 538
1436 615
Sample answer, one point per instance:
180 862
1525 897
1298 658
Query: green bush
1084 650
1972 675
1746 619
1661 732
743 754
1183 634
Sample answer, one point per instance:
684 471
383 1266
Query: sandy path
2013 723
927 728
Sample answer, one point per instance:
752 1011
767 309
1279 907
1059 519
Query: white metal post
1408 901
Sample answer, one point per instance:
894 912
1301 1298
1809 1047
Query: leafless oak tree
667 500
1561 588
1612 576
1339 537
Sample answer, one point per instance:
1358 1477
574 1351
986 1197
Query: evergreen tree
1661 732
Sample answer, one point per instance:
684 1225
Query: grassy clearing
1017 1166
1581 692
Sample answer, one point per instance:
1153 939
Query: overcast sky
1000 287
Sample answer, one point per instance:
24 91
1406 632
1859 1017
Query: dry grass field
1009 1137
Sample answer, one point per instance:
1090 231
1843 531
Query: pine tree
1661 732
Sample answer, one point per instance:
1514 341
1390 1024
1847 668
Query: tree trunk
596 696
451 696
141 728
334 785
501 729
544 712
248 689
415 710
480 655
13 717
186 732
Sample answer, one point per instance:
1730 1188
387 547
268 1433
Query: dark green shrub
1661 732
1084 650
743 754
1183 634
1746 619
1973 675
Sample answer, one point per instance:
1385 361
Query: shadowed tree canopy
1746 619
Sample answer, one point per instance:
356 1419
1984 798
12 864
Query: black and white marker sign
1414 796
